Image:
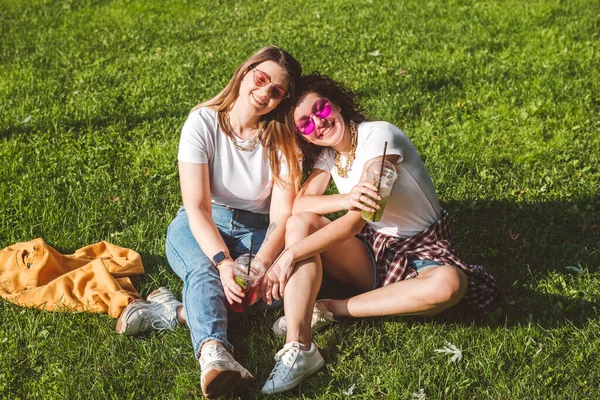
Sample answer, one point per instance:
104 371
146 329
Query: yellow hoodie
95 278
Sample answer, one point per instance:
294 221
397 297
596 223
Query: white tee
238 179
413 205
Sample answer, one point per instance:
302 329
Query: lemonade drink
375 216
388 177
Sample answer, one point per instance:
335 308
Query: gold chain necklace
253 143
343 172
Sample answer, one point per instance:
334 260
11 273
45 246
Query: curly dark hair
344 98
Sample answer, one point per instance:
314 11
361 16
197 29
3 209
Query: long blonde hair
277 135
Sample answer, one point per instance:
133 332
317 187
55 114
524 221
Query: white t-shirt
413 204
238 179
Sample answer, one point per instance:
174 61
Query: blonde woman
238 180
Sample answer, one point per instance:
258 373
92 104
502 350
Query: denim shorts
415 263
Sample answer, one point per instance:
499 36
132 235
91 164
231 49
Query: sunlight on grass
501 99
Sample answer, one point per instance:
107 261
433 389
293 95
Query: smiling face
263 99
328 129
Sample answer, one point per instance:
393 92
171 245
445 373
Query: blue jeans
204 301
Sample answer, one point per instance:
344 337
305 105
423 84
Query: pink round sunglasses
306 124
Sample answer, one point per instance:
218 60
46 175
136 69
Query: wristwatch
219 258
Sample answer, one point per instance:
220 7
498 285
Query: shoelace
163 323
289 351
215 352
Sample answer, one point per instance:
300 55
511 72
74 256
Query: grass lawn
501 99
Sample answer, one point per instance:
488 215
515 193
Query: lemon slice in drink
242 282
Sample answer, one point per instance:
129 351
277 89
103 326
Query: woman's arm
337 231
329 236
282 199
195 191
344 227
311 198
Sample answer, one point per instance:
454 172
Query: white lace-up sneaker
293 365
159 312
162 295
221 374
321 318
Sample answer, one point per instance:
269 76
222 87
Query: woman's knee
299 226
447 286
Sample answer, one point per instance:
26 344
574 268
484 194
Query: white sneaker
159 312
321 318
162 295
293 365
221 374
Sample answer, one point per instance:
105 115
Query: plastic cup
248 282
388 177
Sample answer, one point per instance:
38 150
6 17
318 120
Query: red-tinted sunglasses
306 125
262 79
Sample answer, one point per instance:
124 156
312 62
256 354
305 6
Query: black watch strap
219 258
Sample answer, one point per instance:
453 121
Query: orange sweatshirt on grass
95 278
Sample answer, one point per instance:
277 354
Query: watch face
220 256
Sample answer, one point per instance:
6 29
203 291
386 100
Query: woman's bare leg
302 288
431 292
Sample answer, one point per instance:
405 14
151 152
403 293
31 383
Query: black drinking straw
380 175
382 165
250 259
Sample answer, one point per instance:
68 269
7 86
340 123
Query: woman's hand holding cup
232 290
362 196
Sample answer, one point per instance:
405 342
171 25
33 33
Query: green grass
502 101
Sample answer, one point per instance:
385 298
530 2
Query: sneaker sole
299 379
224 382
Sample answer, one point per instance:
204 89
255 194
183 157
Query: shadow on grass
535 251
126 122
545 257
517 241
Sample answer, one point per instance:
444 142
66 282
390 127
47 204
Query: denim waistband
244 217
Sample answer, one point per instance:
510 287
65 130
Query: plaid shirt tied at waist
393 253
